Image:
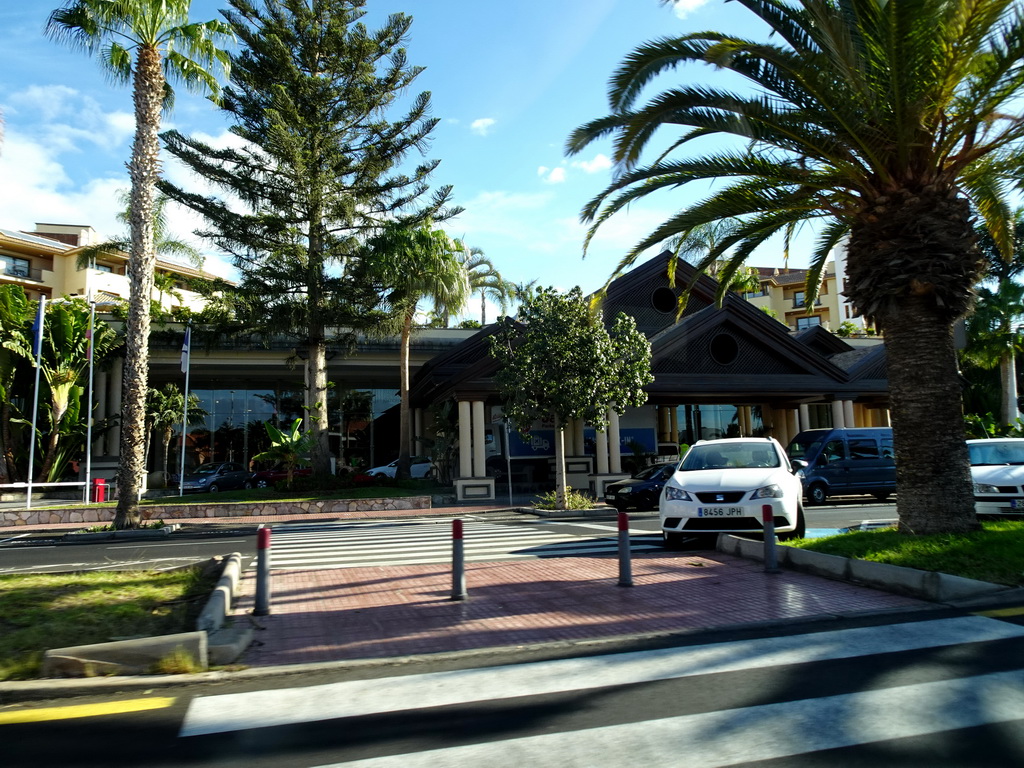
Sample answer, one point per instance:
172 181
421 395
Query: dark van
844 462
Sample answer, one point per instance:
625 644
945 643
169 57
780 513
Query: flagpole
89 419
186 364
37 345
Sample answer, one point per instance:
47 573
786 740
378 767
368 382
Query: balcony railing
20 272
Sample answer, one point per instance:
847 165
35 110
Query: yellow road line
83 710
1016 611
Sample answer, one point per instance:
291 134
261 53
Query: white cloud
684 8
598 164
482 126
63 119
555 176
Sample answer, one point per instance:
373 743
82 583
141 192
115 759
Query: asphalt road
938 688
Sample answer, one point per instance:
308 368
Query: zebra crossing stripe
740 736
259 709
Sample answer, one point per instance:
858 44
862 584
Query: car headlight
768 492
676 494
800 474
985 488
627 489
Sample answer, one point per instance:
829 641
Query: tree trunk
316 371
404 431
934 492
560 490
144 167
1008 374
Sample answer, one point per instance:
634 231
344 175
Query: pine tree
319 168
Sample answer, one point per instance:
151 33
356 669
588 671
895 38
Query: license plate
1016 503
720 512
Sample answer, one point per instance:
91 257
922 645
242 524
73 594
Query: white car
997 469
420 467
722 486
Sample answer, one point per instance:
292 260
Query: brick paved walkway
355 613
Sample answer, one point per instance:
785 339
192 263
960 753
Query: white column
886 421
465 440
417 431
479 456
614 443
805 417
838 418
848 413
102 397
602 452
578 446
116 383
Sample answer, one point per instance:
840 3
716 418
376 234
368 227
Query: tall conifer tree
319 168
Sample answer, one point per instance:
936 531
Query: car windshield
802 448
740 455
652 473
206 469
997 452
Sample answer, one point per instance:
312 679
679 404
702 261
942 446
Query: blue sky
509 82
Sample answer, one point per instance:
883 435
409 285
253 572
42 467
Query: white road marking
260 709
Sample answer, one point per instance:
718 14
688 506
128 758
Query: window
807 322
834 451
799 299
103 268
863 449
14 267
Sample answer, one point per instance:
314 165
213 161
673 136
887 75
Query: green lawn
43 611
995 553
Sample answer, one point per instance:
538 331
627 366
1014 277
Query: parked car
268 478
844 462
721 486
641 491
997 469
420 467
217 476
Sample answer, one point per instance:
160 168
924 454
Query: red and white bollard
262 604
625 557
458 563
771 560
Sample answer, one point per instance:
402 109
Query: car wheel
214 488
247 484
816 494
672 540
380 475
262 484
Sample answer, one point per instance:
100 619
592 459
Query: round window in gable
724 349
664 300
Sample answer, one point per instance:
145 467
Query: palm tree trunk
483 308
404 430
1008 374
144 167
934 490
560 490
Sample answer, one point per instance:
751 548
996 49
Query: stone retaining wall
168 512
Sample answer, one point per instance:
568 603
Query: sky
509 82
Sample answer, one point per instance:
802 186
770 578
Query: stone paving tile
356 613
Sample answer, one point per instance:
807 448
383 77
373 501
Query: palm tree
995 334
485 279
883 121
165 45
165 410
416 264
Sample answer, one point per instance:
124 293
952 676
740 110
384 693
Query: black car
642 490
221 476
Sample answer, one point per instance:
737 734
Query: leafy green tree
318 169
16 315
287 447
559 360
995 336
148 43
883 121
65 365
417 264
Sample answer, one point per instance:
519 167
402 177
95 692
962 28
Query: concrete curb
925 585
211 643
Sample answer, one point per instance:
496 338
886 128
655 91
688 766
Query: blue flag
186 349
37 328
